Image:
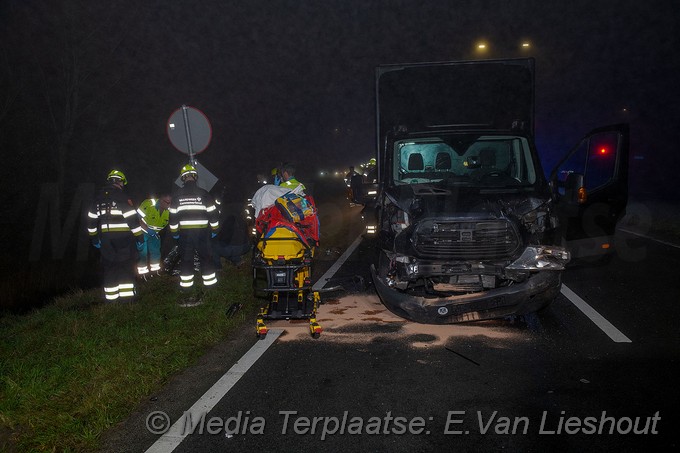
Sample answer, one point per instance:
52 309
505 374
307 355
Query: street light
481 48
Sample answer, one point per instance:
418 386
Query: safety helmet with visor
188 170
117 175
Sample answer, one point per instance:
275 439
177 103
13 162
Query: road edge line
600 321
625 230
320 283
177 432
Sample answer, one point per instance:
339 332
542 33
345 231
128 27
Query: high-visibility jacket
292 183
148 212
193 208
112 212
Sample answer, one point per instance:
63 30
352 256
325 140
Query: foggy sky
293 80
87 86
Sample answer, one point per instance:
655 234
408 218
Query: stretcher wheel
261 329
314 328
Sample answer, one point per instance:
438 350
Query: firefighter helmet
117 175
187 170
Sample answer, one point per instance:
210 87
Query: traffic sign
189 131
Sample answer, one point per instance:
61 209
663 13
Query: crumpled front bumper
521 298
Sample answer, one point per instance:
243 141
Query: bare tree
78 73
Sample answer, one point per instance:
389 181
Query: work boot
190 298
191 301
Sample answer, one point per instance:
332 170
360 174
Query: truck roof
477 95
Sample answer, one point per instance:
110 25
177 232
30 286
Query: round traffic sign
189 130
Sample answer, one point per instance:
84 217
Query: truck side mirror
574 189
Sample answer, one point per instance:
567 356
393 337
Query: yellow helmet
117 175
188 169
275 171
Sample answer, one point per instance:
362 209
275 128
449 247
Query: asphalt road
373 382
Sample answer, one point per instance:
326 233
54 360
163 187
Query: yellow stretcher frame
287 262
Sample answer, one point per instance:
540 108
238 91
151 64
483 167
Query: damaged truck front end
465 222
481 259
467 225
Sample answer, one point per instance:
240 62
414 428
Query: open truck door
590 188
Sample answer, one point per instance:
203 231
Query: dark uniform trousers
118 257
196 239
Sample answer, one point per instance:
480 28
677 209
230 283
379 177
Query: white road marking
334 268
599 320
650 238
176 434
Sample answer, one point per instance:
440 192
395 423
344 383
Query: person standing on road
233 240
194 219
355 183
289 181
114 229
154 216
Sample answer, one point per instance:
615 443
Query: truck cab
466 224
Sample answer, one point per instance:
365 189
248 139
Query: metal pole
187 131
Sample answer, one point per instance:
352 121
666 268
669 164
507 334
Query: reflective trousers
118 255
198 240
150 255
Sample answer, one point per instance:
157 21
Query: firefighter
154 216
114 229
194 220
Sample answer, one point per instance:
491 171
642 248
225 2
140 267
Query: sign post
190 132
187 130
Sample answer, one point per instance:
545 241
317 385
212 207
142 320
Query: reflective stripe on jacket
192 208
112 211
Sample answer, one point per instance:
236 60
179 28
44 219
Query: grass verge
74 368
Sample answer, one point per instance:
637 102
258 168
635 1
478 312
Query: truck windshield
486 161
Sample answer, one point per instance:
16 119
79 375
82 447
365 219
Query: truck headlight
541 257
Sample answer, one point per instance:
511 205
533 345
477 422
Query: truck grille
466 239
